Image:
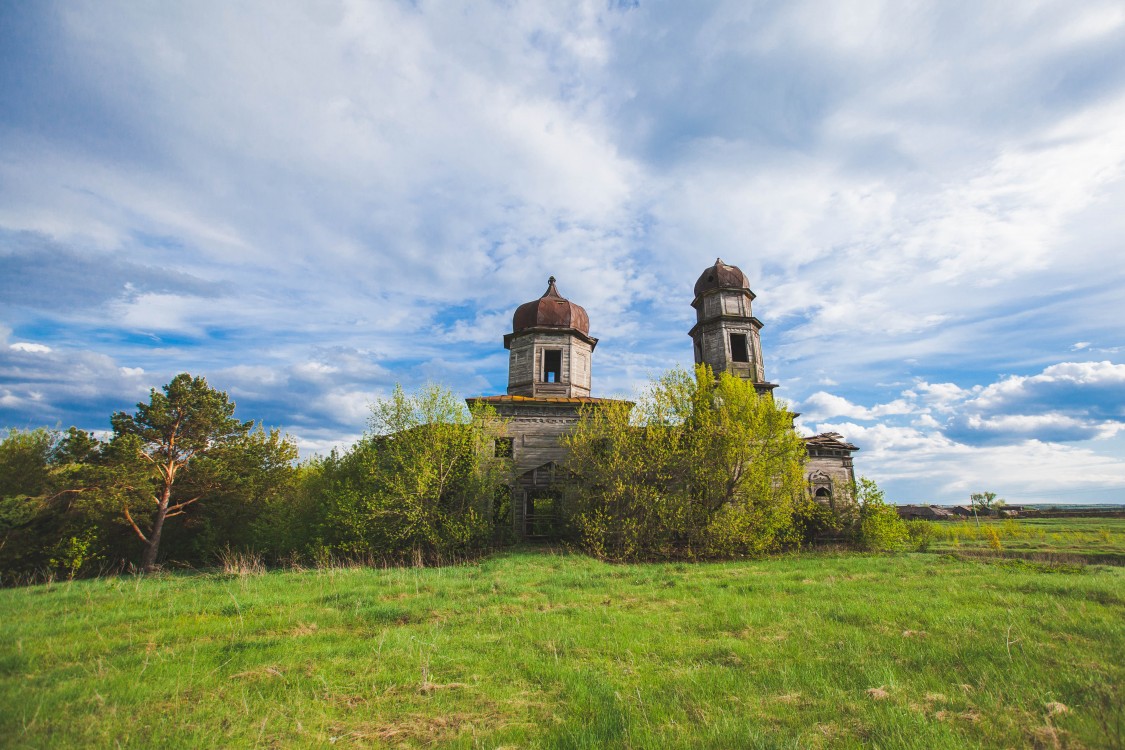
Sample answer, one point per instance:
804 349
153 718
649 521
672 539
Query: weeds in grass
1084 540
241 562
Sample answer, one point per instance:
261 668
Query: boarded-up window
552 365
738 350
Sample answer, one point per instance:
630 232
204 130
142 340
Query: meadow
541 649
1081 540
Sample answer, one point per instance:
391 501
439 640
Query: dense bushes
421 486
700 467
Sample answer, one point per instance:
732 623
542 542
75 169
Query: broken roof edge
830 440
507 399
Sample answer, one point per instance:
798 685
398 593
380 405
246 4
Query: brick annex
550 375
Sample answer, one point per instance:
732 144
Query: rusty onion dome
551 310
721 276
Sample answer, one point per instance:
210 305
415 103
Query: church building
550 379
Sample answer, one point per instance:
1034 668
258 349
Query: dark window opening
738 350
552 365
823 494
503 447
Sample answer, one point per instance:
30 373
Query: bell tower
725 334
550 348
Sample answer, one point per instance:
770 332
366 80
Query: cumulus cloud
309 204
26 346
1091 388
823 405
983 435
1065 402
918 465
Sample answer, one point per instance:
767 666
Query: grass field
1087 539
534 649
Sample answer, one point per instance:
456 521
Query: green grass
532 649
1090 539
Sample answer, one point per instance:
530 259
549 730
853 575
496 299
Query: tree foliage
986 503
47 479
702 466
420 486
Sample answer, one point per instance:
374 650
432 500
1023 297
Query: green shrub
880 528
921 534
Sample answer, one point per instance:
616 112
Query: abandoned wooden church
549 381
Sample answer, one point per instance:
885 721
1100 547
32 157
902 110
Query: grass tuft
241 562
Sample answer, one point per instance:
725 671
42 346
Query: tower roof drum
552 310
721 276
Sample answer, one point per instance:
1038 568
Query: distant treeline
702 467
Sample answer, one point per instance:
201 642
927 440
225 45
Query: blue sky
307 203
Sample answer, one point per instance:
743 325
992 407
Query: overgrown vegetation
420 487
527 649
423 486
564 651
703 467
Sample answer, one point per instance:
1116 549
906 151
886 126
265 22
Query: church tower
550 348
725 333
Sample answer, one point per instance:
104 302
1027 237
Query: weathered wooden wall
525 365
718 315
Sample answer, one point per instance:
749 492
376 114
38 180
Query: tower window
552 365
738 350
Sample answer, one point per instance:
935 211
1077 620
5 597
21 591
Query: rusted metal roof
721 276
541 399
552 310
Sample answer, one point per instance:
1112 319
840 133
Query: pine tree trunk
148 562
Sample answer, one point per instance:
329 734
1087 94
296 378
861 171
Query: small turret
550 348
725 334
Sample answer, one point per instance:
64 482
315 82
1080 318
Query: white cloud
24 346
311 203
1098 386
822 405
925 466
